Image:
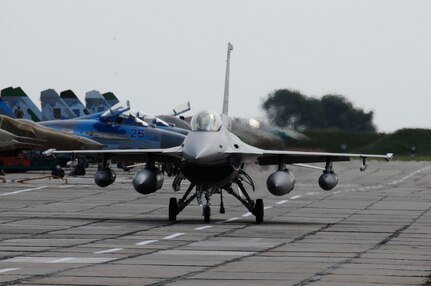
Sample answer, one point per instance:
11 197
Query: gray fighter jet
212 159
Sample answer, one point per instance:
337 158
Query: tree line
290 108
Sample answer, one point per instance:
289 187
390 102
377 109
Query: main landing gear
204 192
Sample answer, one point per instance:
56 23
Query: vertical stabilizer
74 103
110 98
5 110
20 104
95 102
54 107
226 82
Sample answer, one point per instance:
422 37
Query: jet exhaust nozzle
148 180
328 181
105 178
280 182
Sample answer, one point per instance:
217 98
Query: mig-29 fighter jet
212 159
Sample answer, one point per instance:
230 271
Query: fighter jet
117 129
20 104
213 160
95 102
54 107
22 134
74 103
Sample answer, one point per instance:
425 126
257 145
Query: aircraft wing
273 157
171 155
290 157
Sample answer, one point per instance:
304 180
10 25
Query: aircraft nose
202 150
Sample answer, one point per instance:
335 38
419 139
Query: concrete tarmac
374 228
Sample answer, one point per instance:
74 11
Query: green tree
288 108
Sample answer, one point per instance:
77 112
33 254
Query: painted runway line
206 252
295 197
145 242
8 270
108 251
61 260
232 219
175 235
52 260
247 214
203 227
23 191
282 202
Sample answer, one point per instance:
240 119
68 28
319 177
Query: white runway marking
108 251
203 227
269 207
282 202
8 270
311 193
23 191
295 197
232 219
61 260
247 214
174 235
206 252
79 260
145 242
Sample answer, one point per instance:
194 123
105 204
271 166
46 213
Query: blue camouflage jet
116 129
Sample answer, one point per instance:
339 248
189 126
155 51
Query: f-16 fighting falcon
212 159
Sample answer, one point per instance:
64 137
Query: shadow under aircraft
214 161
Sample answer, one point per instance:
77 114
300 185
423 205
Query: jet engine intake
328 181
280 182
148 180
104 178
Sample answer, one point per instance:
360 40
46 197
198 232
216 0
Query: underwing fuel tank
280 182
104 178
148 180
328 181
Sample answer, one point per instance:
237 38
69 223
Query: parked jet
116 129
20 104
21 134
74 103
95 102
110 98
212 159
54 107
5 110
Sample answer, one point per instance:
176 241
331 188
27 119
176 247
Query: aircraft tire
258 210
207 213
173 209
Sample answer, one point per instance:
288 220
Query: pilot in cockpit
206 121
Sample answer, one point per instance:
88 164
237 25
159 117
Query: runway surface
374 228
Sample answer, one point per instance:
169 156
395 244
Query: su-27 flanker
212 159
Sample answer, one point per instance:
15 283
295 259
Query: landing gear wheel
258 210
207 213
173 209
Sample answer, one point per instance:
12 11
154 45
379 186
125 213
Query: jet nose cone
195 152
203 149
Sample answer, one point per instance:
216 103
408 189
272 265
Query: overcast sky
159 54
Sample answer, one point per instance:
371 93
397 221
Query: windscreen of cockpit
206 121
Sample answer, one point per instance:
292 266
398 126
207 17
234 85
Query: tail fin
74 103
110 98
226 83
5 110
54 107
16 99
95 102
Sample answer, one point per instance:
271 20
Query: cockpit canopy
206 121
